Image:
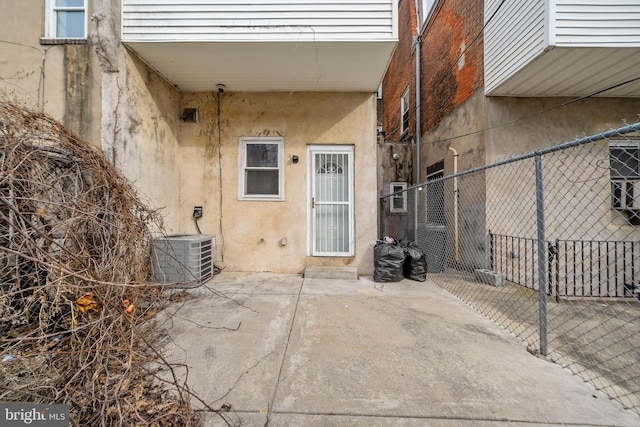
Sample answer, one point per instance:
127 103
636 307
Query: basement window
65 20
261 169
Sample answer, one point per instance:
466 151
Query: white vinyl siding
597 23
265 20
560 47
515 36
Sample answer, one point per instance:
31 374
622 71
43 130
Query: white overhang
269 65
574 72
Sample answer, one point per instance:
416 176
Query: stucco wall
61 79
577 180
147 136
521 125
486 129
248 232
21 61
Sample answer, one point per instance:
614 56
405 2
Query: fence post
542 256
415 215
381 224
491 261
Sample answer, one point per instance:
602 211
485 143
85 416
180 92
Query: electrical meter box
183 258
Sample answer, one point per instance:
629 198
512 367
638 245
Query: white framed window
398 200
66 19
404 112
261 168
425 10
624 166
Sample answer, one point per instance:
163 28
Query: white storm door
331 200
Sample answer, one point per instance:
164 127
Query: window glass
404 110
69 3
427 5
70 24
262 182
262 155
624 162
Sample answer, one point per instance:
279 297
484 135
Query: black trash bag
415 265
388 259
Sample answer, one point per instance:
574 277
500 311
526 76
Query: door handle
313 203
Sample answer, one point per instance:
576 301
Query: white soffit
268 66
576 71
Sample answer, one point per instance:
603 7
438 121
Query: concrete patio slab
318 352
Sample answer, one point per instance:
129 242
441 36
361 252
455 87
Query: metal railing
586 268
546 244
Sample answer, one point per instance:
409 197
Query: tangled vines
77 315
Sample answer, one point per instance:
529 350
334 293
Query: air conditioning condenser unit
183 258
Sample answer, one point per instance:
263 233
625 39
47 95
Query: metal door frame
312 150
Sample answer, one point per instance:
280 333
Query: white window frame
625 190
242 168
405 106
394 188
51 12
426 8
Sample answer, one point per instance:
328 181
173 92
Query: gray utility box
183 258
432 239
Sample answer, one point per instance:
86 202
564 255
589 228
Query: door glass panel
332 228
332 179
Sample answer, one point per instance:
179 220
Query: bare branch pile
77 314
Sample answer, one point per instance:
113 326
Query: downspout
456 237
418 116
416 46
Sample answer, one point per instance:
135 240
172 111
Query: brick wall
446 80
400 75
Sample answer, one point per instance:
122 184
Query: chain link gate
547 245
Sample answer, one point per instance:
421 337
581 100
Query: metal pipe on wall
456 236
418 115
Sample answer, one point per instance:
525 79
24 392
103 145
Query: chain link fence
548 246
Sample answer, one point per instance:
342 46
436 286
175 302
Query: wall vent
189 115
183 258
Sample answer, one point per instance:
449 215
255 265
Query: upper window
66 19
426 7
261 169
624 162
404 111
399 197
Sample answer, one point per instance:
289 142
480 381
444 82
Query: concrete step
336 273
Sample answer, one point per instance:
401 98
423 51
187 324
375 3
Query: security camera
221 88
